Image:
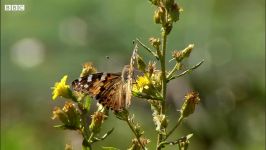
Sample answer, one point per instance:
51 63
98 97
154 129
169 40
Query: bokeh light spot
73 31
28 53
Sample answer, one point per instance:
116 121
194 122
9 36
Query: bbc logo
14 7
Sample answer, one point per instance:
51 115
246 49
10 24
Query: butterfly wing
114 97
127 85
107 88
95 84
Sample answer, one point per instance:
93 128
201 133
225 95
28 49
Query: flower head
143 83
155 42
135 143
68 115
180 55
88 69
97 120
61 89
188 107
160 122
146 87
58 113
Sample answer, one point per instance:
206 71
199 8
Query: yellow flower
146 87
143 83
61 89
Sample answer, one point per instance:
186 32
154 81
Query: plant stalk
164 81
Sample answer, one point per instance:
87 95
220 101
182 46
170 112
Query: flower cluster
166 14
74 114
69 116
147 87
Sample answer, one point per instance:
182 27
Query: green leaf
87 103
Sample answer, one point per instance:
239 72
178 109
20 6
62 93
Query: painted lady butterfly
112 90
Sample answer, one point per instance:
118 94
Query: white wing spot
89 78
86 86
103 76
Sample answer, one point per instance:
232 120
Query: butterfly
112 90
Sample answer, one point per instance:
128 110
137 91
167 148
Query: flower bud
88 69
73 115
160 122
69 116
180 55
155 42
135 144
188 107
159 16
58 113
186 52
97 120
174 12
184 141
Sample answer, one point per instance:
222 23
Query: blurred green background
53 38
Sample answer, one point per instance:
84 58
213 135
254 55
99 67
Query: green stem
185 72
164 81
137 137
177 124
90 138
176 67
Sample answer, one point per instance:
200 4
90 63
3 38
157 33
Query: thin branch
177 124
168 143
185 72
148 49
104 136
176 67
137 137
178 141
91 137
